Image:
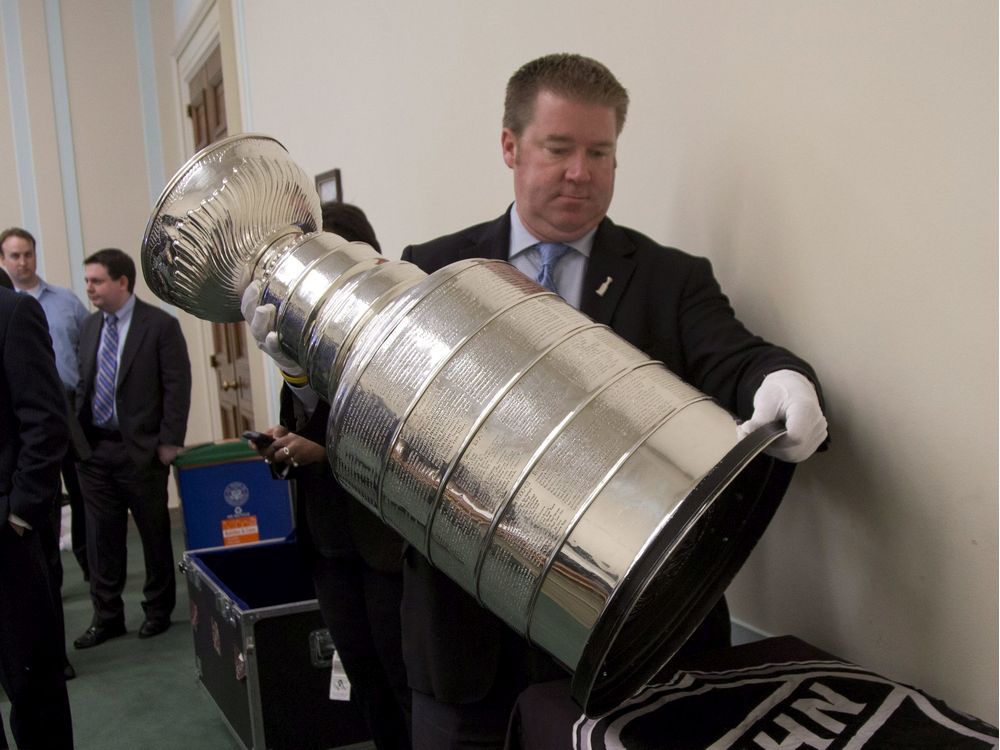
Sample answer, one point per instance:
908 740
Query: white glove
260 318
790 397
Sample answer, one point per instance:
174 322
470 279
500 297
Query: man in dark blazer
133 401
33 439
563 115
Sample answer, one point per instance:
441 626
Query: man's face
105 293
564 167
19 262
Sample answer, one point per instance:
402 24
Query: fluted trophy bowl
216 215
577 489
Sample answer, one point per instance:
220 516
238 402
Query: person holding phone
356 561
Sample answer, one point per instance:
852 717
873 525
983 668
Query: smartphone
259 438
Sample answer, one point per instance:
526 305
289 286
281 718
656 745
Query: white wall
837 161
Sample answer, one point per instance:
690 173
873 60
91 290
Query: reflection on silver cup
580 491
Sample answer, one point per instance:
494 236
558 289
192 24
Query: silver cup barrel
577 489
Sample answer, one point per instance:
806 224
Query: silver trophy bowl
577 489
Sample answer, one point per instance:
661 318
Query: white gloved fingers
262 323
790 397
806 431
766 408
272 347
250 300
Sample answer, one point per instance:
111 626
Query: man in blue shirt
64 313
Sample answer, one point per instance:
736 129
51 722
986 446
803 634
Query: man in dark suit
563 115
33 439
133 400
65 314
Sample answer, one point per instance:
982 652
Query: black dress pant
31 651
360 607
78 518
49 536
78 450
112 486
483 724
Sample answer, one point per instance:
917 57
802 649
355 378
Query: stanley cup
577 489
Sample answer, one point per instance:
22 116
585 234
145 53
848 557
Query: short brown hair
572 76
24 234
117 262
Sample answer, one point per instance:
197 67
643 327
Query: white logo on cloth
237 494
810 704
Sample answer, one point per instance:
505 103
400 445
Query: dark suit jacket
33 433
661 300
328 520
154 381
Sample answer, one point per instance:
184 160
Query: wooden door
207 110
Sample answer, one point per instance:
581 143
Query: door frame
211 26
201 37
194 46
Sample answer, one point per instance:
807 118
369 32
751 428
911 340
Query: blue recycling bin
229 497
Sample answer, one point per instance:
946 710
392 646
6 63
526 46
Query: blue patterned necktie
552 253
107 370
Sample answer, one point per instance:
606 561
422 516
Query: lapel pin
604 287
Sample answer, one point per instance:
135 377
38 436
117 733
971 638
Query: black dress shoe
150 628
98 634
68 672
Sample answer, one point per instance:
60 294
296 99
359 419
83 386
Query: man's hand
788 396
260 318
19 530
167 453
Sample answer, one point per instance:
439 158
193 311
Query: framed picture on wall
328 186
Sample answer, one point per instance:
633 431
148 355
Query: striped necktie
552 253
107 370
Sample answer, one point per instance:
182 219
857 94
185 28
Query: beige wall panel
164 35
112 173
51 233
201 421
197 28
836 162
107 125
10 197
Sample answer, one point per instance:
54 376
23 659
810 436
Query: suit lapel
136 332
494 242
608 272
90 335
610 257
